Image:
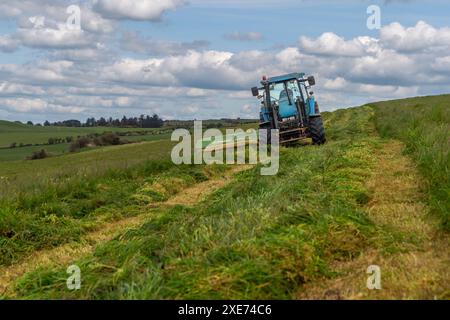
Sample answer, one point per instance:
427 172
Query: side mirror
311 80
255 91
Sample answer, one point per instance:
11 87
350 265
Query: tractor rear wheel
316 130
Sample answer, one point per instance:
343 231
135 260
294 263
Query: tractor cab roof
286 77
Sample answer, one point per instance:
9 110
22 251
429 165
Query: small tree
83 142
42 154
13 145
110 139
74 146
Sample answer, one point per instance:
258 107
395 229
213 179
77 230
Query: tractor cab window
278 92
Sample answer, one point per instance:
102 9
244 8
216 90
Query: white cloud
244 36
331 44
206 70
335 84
60 37
124 101
420 37
43 24
92 21
23 105
136 9
387 66
442 64
11 89
8 44
131 41
41 73
196 92
94 54
250 109
190 110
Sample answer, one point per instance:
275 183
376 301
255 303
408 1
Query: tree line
143 121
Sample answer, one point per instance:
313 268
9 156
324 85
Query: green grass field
245 210
28 177
258 237
11 132
14 154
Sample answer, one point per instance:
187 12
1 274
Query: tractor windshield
278 91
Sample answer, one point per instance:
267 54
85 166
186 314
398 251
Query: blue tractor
288 104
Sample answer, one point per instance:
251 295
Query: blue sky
198 58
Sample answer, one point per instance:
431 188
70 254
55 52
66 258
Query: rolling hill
140 227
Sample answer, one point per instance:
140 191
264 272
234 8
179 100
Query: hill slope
310 231
6 126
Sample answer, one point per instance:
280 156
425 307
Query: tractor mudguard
311 106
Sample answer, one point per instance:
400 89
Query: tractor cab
285 96
287 104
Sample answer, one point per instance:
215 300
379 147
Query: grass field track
420 270
200 191
65 254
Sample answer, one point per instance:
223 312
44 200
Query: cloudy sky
198 58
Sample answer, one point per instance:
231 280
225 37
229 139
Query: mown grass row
62 213
258 238
423 124
48 202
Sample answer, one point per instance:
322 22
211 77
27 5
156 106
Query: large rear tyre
317 131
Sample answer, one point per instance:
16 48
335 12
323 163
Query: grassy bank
64 213
423 124
259 237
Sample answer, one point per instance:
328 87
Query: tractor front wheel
317 131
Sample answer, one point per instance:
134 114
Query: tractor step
302 130
293 140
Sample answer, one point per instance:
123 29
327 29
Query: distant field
33 176
148 137
11 132
14 154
